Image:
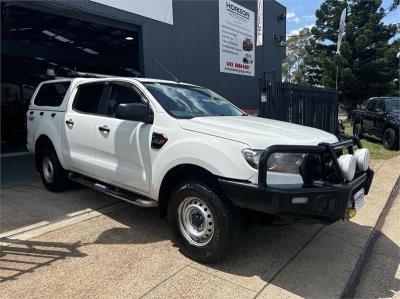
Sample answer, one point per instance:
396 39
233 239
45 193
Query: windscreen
186 101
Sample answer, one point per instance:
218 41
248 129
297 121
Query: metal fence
304 105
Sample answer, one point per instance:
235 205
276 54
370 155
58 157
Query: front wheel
390 140
203 226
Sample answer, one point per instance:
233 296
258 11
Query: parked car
194 155
379 117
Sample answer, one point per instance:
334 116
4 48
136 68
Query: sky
301 13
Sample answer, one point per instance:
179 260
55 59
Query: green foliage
294 65
369 60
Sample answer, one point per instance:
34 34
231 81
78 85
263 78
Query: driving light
363 157
348 166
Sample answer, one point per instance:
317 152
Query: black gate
304 105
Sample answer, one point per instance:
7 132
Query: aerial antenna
165 69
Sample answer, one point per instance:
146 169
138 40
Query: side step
113 191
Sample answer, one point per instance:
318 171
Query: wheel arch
42 142
178 174
391 125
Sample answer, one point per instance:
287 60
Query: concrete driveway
116 250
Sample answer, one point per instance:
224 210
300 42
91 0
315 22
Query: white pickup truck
193 154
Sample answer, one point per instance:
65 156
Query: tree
369 62
294 66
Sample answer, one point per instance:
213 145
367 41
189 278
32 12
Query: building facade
46 39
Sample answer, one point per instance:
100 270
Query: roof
91 79
383 98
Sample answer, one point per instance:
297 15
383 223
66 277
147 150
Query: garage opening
38 46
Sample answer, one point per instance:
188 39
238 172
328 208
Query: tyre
53 175
357 130
202 224
390 141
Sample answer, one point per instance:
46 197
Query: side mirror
135 112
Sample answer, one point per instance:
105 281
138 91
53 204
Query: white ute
196 156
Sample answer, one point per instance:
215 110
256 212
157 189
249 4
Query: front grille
317 167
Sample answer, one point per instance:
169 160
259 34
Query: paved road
127 253
24 201
381 275
17 169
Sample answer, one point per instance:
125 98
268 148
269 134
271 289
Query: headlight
285 162
280 162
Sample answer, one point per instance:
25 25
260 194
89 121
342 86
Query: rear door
79 125
123 146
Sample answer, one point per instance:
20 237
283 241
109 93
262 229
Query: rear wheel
202 224
390 140
357 130
53 175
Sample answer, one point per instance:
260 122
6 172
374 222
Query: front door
379 118
123 146
78 128
368 121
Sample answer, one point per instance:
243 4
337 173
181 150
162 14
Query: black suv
379 117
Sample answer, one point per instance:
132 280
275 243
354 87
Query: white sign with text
236 38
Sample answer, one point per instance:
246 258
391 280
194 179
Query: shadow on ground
26 204
22 257
297 258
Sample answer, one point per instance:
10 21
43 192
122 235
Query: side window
380 106
122 93
371 106
51 94
364 105
88 96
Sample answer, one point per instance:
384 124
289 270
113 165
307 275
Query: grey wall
189 48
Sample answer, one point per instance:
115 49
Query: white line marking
23 229
37 229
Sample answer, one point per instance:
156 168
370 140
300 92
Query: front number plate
359 199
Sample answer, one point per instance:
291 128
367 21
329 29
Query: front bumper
326 202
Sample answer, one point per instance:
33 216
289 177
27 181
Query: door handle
104 129
69 122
